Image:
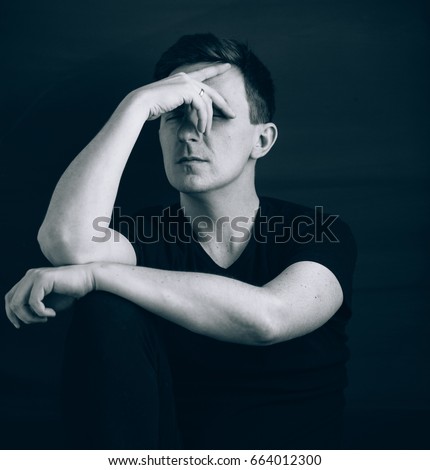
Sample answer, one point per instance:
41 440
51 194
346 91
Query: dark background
352 82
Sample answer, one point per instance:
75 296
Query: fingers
209 113
10 315
220 103
18 312
209 72
189 89
203 104
197 103
37 294
23 303
206 114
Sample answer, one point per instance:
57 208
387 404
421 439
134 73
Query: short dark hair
194 48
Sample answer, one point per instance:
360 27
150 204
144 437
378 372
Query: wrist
136 100
94 271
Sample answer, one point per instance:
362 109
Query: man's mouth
191 159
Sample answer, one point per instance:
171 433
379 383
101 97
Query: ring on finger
201 92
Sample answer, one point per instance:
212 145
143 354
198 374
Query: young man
224 329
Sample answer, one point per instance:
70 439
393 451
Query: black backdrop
352 91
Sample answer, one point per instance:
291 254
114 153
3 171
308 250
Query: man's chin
191 185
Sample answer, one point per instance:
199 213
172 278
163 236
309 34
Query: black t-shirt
284 233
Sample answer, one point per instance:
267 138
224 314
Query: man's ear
266 138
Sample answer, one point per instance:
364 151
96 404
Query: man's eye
177 113
217 113
174 116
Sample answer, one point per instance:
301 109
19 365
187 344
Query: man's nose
188 130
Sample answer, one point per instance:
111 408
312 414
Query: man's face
223 154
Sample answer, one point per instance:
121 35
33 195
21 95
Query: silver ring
201 92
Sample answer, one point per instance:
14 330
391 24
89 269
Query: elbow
60 250
265 336
273 323
47 244
267 332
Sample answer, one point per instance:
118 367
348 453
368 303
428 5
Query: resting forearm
214 306
88 188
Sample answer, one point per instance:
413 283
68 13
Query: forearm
88 188
215 306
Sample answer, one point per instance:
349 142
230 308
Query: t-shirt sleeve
138 251
141 231
335 248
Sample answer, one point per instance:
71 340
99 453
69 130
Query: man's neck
222 222
215 206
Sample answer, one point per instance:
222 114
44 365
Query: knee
99 311
109 327
97 300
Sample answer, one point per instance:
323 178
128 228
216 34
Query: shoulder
305 223
296 233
